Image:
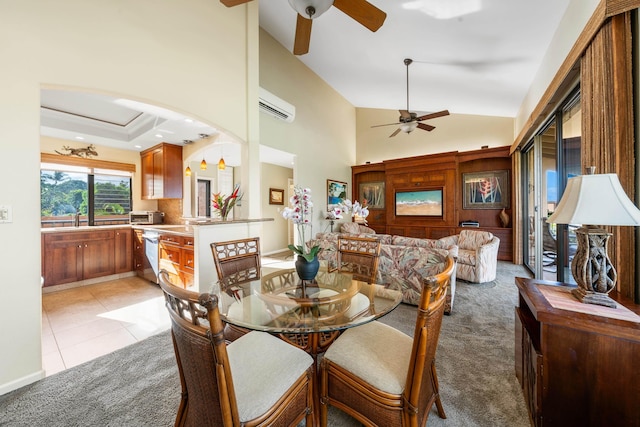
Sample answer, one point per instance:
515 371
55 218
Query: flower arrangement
300 214
223 204
347 206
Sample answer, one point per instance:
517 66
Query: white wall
196 57
571 25
275 234
323 133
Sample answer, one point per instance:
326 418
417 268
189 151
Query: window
98 196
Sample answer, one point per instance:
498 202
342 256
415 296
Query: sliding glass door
551 157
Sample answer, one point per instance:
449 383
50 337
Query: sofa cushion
473 239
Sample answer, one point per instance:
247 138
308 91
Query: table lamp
594 199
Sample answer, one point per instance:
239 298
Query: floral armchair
477 255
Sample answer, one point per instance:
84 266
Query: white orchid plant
300 213
347 206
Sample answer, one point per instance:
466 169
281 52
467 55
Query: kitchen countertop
179 229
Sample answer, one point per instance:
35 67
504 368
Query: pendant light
187 171
203 164
221 164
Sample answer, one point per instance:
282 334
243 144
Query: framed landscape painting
420 203
486 190
336 193
373 193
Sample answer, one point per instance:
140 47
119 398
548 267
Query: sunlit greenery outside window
99 196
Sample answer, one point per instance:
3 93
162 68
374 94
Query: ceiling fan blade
363 12
426 127
405 114
433 115
303 36
388 124
230 3
397 131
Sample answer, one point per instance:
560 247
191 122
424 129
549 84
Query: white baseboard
21 382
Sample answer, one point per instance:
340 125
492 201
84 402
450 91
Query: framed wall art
373 193
276 196
336 193
428 202
486 190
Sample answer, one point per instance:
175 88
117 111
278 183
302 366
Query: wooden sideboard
578 364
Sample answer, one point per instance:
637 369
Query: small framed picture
373 193
276 196
336 193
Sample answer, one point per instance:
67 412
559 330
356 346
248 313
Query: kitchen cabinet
577 363
74 256
162 172
123 257
176 256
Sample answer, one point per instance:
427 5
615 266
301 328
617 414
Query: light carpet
139 386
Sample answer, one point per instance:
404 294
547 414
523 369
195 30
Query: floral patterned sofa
403 260
477 255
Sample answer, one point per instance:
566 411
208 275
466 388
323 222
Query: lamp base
591 267
593 298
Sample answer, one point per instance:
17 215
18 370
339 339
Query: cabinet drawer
71 236
170 253
187 260
171 239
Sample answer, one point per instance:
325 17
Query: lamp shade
595 200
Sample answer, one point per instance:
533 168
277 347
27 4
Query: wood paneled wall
607 127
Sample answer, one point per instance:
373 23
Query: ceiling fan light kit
311 8
408 120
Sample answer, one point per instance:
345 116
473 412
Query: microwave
145 217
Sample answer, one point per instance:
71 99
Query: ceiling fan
409 121
360 10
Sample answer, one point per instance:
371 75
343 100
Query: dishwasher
151 251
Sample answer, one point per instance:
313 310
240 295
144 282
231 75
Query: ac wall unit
276 107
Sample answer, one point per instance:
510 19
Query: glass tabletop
280 302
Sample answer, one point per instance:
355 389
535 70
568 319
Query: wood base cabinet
74 256
176 256
578 364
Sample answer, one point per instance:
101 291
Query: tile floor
83 323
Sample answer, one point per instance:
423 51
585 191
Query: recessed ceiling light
188 120
138 146
79 137
158 135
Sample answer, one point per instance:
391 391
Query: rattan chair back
237 260
208 396
359 255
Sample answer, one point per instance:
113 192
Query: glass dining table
307 314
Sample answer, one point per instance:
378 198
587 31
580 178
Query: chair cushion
376 353
355 228
263 368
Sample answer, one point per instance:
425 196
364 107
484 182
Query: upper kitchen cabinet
162 172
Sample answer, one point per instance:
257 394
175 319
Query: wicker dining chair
258 380
359 255
381 376
237 260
